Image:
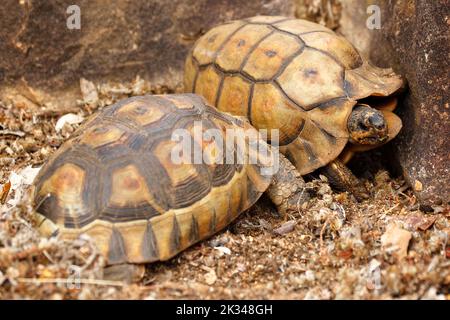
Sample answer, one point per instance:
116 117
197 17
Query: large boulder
42 59
414 40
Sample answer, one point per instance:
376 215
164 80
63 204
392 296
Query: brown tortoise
116 181
303 79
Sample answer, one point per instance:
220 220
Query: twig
7 132
97 282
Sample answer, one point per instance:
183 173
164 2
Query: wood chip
418 185
210 277
5 192
89 91
12 133
285 228
396 240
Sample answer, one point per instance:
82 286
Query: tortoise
326 101
117 180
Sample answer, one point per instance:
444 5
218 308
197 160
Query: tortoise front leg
287 190
341 178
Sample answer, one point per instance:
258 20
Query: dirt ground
331 248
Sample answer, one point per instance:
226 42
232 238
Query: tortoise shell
288 74
115 180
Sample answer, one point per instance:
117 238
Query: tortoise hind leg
341 178
126 272
287 190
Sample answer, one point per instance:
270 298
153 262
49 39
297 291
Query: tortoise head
368 126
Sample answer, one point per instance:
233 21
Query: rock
414 40
43 60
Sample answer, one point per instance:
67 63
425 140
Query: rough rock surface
43 60
414 40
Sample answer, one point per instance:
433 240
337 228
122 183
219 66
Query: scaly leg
287 190
341 178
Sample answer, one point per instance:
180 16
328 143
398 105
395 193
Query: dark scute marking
79 221
226 40
212 38
100 130
117 253
157 179
229 216
270 53
310 72
329 136
249 106
348 88
219 90
124 214
241 43
222 174
149 245
190 190
252 192
136 141
289 140
252 49
193 232
213 222
309 151
175 237
242 203
47 205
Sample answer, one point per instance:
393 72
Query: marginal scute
298 26
313 148
190 73
132 235
332 116
117 251
312 78
266 19
208 82
336 46
369 80
207 46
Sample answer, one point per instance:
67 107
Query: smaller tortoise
304 80
117 180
